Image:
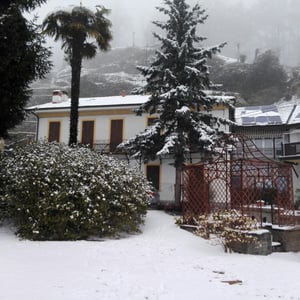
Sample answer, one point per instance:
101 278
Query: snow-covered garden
162 262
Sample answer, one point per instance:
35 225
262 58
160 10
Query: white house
104 122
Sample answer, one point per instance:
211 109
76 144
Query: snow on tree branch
177 81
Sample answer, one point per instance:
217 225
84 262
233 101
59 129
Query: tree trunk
75 89
178 188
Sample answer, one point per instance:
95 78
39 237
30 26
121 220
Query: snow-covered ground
164 262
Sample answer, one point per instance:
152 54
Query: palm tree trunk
75 89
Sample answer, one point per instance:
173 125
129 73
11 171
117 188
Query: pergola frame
243 179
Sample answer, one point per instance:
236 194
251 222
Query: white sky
130 19
132 24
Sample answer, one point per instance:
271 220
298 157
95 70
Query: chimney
59 96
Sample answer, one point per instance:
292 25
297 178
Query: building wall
167 177
132 125
43 128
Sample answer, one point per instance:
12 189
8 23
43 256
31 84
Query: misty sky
246 25
131 18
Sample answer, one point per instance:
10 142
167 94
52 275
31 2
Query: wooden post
178 188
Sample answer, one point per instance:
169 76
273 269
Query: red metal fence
243 179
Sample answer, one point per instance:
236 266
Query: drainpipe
37 125
274 148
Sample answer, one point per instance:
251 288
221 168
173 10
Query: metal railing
106 147
291 149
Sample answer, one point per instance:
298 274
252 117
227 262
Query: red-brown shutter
54 132
87 136
116 134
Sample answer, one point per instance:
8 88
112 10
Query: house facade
104 123
275 129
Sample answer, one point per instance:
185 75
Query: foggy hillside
263 81
108 74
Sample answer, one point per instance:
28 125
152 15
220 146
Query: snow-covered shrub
4 208
229 227
62 193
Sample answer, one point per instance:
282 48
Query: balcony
106 147
291 152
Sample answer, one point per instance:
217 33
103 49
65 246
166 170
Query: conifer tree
23 58
176 81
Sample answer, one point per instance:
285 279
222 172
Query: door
87 136
116 134
54 132
153 175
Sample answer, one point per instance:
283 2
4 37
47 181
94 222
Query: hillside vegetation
263 81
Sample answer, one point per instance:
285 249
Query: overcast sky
131 19
247 25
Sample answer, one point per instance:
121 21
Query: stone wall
262 245
288 237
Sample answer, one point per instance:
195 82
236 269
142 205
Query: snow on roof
294 117
226 59
220 96
129 100
258 115
284 112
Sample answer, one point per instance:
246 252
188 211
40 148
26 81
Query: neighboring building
275 129
104 123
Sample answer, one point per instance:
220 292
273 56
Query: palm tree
77 28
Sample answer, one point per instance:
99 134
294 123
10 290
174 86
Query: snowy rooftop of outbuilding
284 112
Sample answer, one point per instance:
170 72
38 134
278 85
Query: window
153 175
87 134
116 134
286 138
267 146
54 132
151 120
295 137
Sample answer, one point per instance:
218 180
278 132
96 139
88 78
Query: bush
54 192
229 227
